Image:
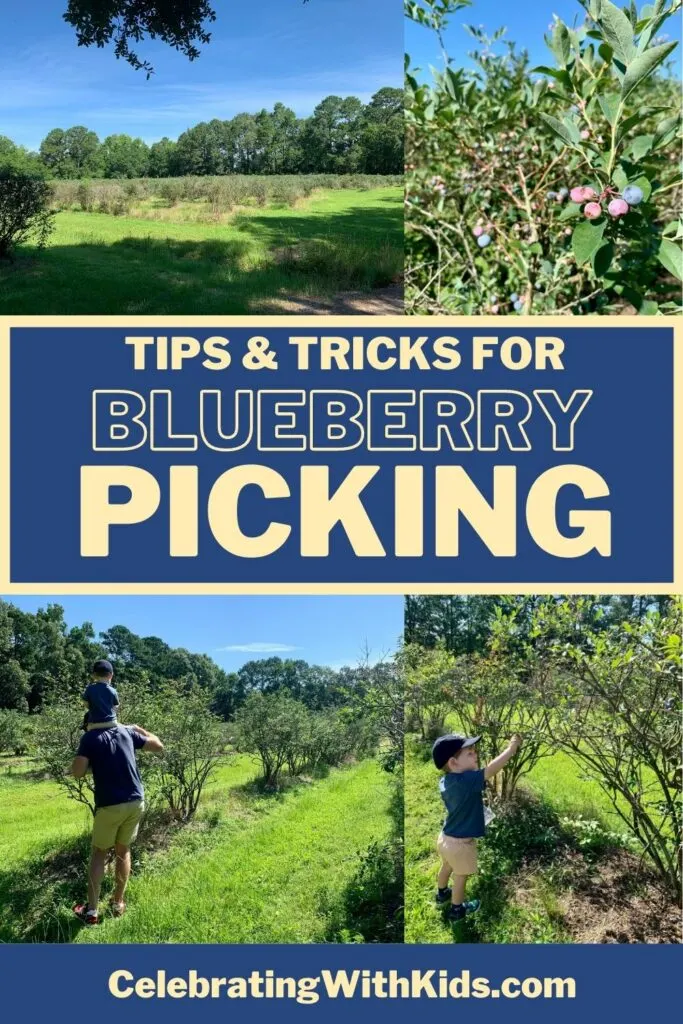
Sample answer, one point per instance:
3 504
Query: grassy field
183 259
251 868
556 867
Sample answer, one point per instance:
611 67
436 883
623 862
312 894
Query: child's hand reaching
516 742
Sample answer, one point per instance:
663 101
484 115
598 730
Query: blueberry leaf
602 259
587 239
561 129
643 65
618 31
671 257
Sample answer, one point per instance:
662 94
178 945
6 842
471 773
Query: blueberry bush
547 189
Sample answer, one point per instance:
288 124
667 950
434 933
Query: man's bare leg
122 871
98 859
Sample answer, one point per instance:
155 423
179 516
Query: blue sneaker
461 910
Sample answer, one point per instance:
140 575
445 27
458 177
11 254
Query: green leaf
561 43
620 179
618 31
560 128
643 65
606 52
671 228
648 308
641 145
587 239
573 131
670 256
610 106
663 130
570 211
602 259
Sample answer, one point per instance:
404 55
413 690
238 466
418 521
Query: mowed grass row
558 781
96 263
254 868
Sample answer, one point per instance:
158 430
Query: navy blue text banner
338 983
299 455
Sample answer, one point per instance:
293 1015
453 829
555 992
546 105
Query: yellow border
489 324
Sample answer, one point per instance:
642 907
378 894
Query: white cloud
259 648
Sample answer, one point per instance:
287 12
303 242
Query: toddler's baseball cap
103 668
449 745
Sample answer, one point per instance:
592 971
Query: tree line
43 660
343 136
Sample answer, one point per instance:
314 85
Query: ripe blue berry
519 305
514 297
563 193
633 195
483 241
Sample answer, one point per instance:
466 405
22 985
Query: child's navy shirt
462 793
101 699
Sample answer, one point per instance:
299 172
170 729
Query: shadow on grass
37 895
361 248
260 789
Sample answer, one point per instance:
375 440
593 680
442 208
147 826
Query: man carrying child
108 750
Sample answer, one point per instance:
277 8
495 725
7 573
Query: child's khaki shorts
459 854
117 823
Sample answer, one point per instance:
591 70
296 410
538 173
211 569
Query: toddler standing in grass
462 790
101 698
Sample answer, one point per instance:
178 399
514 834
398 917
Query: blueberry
483 241
563 193
514 297
519 305
633 195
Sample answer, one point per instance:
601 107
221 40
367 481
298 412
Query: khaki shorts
459 854
117 823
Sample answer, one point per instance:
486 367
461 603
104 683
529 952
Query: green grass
252 868
97 263
33 814
561 782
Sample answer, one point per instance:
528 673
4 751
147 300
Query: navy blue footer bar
259 983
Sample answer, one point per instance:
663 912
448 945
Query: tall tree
180 23
124 157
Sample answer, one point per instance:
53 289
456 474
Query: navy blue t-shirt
111 753
102 698
462 793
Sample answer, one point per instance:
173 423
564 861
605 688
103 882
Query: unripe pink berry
585 134
583 193
592 210
478 231
618 208
494 309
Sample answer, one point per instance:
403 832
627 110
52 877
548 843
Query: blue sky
526 22
260 53
321 630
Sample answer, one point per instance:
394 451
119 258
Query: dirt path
380 302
